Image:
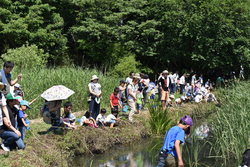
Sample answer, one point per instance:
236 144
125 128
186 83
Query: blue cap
25 103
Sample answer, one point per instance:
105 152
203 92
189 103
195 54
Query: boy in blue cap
170 154
21 116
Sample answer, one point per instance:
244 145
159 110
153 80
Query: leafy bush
125 65
26 56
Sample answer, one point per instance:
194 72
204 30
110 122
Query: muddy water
138 154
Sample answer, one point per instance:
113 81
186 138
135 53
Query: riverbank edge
60 148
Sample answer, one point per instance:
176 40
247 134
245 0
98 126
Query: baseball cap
187 120
9 96
25 103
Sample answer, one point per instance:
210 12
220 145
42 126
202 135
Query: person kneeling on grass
100 119
112 119
68 118
87 120
170 154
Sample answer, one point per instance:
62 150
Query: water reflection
142 154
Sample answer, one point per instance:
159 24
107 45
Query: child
100 119
112 119
139 97
21 116
170 154
115 100
18 91
68 118
87 120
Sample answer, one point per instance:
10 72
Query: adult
11 136
68 117
129 79
145 83
122 88
182 83
131 92
95 94
164 87
172 84
193 80
170 154
5 76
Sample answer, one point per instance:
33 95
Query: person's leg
163 99
9 138
170 161
131 104
145 97
22 130
20 144
91 107
96 110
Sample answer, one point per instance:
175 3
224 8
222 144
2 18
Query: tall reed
35 81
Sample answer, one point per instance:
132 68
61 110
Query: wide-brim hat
17 85
94 77
165 72
137 76
9 96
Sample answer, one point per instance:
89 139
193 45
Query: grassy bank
35 81
50 150
231 134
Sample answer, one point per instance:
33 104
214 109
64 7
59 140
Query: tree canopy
198 35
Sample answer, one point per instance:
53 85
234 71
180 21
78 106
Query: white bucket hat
94 77
165 72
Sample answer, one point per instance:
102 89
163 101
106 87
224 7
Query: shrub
26 56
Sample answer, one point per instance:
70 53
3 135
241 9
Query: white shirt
182 80
175 76
2 103
129 80
193 80
172 78
100 118
133 89
95 87
83 119
110 117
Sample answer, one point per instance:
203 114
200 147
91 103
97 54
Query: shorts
164 95
138 106
111 122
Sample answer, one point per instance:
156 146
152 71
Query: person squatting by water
170 153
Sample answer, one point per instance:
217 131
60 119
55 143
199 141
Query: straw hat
94 77
171 96
165 72
137 76
2 86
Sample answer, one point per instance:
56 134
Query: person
129 79
182 84
95 94
220 82
170 153
100 119
114 100
241 74
201 80
68 117
139 98
5 76
21 116
112 119
172 84
122 88
10 135
246 159
164 86
18 91
145 82
131 92
3 106
87 120
51 113
193 80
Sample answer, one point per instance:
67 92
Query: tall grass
35 81
231 127
160 120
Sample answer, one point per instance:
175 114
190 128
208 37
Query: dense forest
207 36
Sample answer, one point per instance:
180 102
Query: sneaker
5 148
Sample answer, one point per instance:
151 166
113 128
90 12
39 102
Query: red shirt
114 99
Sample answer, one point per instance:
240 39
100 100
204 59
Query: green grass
231 124
36 81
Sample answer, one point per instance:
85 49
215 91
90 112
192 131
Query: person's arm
13 82
24 122
178 152
6 113
91 91
131 93
5 120
110 101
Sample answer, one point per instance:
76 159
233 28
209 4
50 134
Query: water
139 154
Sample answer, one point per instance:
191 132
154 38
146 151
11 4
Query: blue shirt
175 133
20 115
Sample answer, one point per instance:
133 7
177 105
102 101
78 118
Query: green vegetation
231 124
36 80
202 35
